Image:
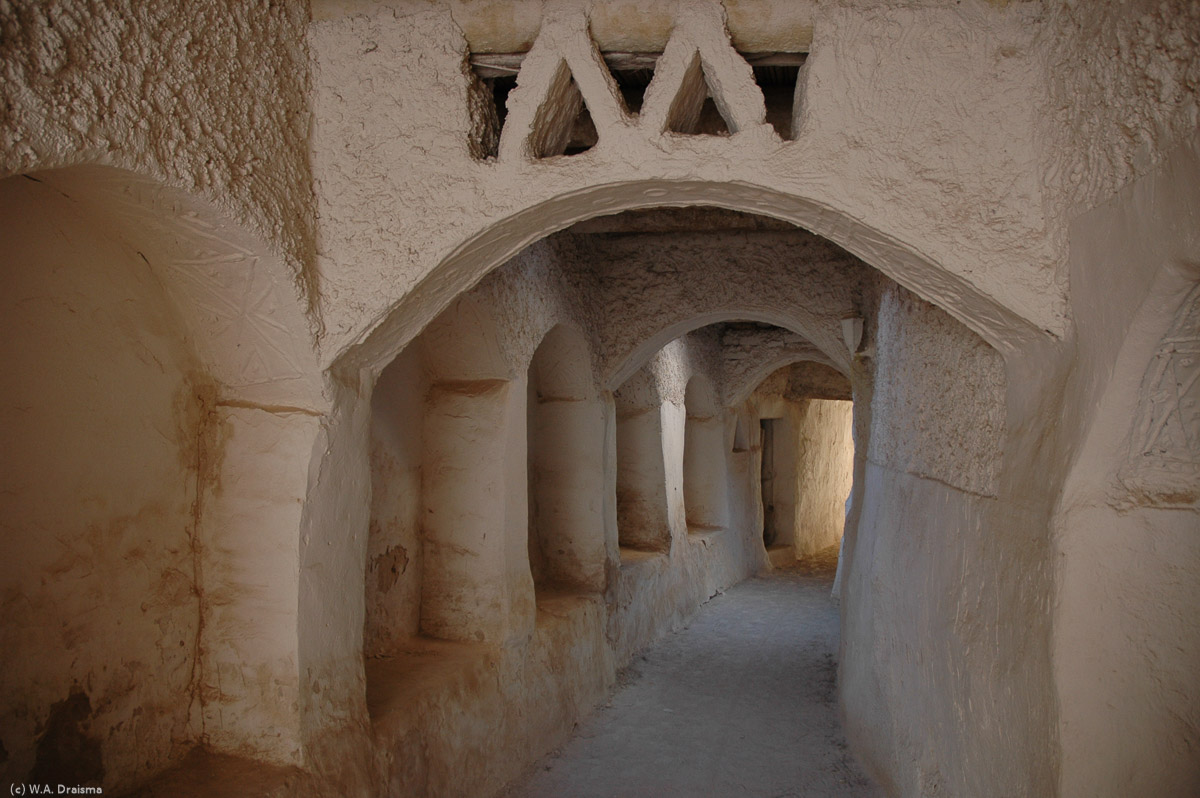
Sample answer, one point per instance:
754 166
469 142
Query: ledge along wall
559 643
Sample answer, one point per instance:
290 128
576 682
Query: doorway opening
772 481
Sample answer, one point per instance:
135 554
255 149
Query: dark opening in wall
768 428
499 87
562 124
495 77
693 111
583 135
633 73
777 75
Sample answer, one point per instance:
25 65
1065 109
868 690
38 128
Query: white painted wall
705 477
979 132
1127 644
102 407
938 694
566 426
641 480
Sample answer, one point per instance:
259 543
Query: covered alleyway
384 378
741 702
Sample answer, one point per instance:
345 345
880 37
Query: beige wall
103 412
951 146
824 470
1127 644
394 551
945 635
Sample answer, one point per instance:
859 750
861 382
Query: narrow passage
742 702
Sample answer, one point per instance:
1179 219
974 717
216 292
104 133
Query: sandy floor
740 703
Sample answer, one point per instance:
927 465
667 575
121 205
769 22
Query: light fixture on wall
852 333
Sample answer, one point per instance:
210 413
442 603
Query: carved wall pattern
1163 469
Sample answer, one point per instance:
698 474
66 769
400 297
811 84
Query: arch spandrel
468 263
628 363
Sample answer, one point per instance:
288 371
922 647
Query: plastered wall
179 97
962 149
450 439
104 415
394 556
928 680
825 467
424 159
1126 646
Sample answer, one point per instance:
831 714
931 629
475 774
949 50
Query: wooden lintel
497 65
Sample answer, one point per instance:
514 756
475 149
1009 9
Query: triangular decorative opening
632 73
492 79
583 133
693 110
778 77
488 105
562 124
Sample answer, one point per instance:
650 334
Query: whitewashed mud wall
394 556
179 97
242 461
657 591
944 555
1127 643
951 147
211 204
401 196
103 404
487 338
1122 168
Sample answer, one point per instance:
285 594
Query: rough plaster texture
451 719
752 353
940 417
981 687
182 98
970 195
571 644
1116 118
949 146
790 279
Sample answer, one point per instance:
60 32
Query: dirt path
740 703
